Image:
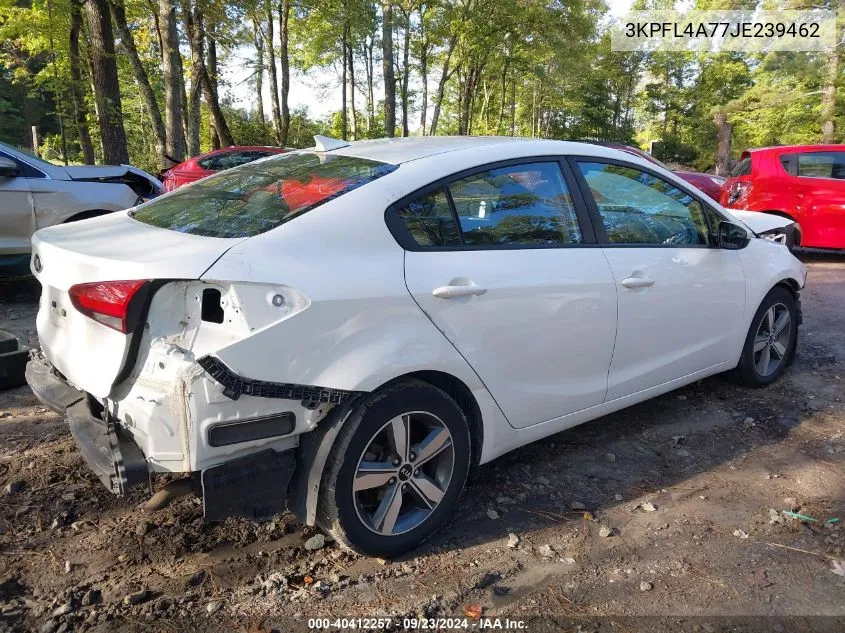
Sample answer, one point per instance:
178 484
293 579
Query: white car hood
760 222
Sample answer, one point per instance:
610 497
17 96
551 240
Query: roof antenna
327 144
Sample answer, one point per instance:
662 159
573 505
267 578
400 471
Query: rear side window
430 222
822 165
742 168
257 197
526 205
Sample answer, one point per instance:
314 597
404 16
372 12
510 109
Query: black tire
747 371
337 509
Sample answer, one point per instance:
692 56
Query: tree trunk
829 96
406 51
172 86
723 150
500 117
424 50
441 86
343 47
258 38
106 86
193 114
284 59
387 69
275 108
119 15
80 110
351 61
221 128
371 98
513 106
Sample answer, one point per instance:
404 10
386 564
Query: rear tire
380 500
770 343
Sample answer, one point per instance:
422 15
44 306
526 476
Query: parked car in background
35 194
206 164
805 183
348 329
708 183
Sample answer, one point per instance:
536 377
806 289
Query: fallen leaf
838 567
308 580
473 611
588 516
740 534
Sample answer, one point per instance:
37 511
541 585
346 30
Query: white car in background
346 330
35 194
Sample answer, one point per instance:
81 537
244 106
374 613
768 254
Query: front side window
257 197
822 165
639 208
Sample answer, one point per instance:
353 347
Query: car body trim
235 386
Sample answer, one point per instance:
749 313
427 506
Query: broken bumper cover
53 392
109 451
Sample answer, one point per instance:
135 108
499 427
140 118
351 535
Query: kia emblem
36 263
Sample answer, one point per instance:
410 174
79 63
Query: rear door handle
637 282
450 292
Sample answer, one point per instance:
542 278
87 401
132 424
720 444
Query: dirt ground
692 485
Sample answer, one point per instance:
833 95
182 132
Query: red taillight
107 302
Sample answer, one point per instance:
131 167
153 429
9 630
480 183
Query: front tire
770 344
396 470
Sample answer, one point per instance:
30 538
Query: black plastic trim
235 386
262 428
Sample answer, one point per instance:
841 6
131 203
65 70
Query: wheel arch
86 215
315 446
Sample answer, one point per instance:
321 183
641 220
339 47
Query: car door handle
450 292
637 282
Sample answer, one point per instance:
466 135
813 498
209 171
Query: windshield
260 196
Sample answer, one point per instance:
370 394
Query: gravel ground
690 488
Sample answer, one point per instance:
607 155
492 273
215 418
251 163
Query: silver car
35 194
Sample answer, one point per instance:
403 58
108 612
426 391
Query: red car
206 164
805 183
708 183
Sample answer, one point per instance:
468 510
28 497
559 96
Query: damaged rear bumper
109 451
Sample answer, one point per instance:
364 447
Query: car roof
797 148
401 150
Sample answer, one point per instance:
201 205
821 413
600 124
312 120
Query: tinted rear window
822 165
257 197
743 167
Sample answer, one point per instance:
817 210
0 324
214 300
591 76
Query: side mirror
8 168
732 236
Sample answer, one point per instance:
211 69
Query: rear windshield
260 196
743 167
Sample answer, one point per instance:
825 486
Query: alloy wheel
403 473
772 340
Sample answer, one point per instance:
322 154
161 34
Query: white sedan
35 194
346 330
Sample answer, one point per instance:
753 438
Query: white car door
681 298
503 261
17 221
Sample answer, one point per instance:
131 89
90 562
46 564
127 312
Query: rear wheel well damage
315 446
